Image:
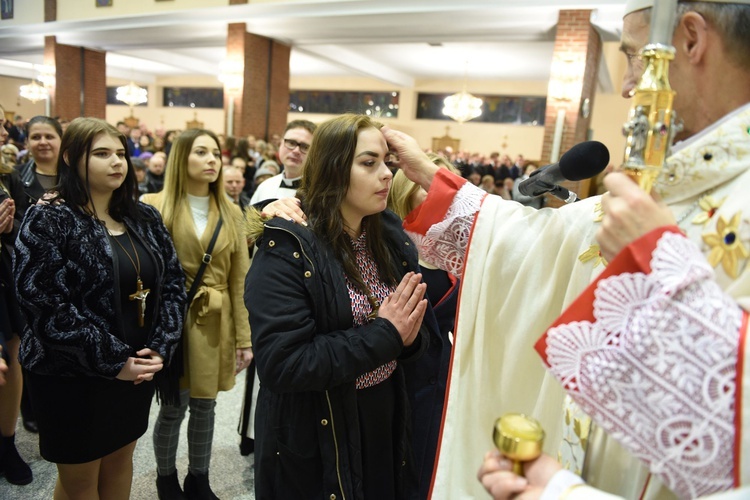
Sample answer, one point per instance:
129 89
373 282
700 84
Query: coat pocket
298 475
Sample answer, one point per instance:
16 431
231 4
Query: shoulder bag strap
204 262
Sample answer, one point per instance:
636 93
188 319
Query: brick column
80 80
261 109
573 78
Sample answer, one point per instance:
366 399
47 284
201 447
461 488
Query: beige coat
217 321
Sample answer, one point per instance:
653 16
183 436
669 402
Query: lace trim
657 368
446 242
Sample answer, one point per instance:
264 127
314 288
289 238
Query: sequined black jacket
68 289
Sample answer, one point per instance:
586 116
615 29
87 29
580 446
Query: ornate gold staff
518 437
650 127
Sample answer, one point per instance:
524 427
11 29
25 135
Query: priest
522 268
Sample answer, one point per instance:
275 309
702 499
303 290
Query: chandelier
34 92
132 95
462 106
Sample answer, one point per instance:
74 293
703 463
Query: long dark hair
325 181
76 147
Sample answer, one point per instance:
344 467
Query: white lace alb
446 242
657 368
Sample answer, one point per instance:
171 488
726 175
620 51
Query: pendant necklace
140 293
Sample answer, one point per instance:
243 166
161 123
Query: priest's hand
405 307
629 213
416 165
142 368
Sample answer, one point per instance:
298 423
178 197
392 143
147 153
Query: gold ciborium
518 437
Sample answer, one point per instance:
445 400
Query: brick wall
576 40
95 84
77 93
261 110
279 96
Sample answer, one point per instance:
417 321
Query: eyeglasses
290 144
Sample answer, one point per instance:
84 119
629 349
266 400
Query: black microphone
582 161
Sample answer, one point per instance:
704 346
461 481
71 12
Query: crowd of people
356 277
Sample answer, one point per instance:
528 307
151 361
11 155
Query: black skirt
82 419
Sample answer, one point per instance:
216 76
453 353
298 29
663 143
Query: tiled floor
231 474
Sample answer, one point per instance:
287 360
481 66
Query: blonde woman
216 340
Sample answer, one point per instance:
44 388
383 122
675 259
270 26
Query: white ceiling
396 41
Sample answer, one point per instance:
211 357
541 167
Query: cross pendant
140 295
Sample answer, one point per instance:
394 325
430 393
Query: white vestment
523 267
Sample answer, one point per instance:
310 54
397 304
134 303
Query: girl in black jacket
103 294
335 309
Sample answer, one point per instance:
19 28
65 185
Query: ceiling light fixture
463 106
34 92
132 95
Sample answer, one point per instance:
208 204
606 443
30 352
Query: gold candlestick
518 437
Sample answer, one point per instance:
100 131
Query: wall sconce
566 78
46 75
231 74
565 86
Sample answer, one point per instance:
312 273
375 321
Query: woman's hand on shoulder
142 368
405 307
286 208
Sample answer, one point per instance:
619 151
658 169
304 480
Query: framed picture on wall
6 9
104 3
